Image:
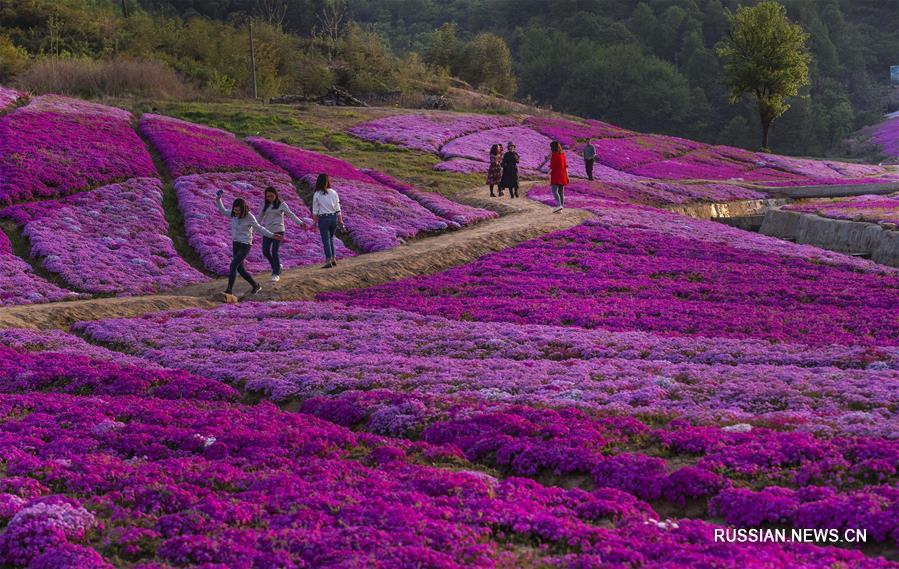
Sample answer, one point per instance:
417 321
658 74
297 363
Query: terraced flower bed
55 146
189 148
426 132
19 284
635 268
111 240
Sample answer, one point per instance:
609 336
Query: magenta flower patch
426 132
189 148
52 148
111 240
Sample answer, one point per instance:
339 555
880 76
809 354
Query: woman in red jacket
558 174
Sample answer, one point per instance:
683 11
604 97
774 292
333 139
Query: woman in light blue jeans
326 214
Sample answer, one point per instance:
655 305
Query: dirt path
520 220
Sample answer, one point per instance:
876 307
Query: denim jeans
559 194
240 252
327 226
270 249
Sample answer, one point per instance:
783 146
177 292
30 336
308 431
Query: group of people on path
326 215
503 170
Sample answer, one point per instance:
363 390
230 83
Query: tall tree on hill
765 56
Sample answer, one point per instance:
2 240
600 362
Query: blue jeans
240 252
327 226
270 249
559 194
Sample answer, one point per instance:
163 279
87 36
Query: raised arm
221 206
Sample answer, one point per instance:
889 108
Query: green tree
487 63
765 56
443 47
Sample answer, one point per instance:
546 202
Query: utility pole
253 61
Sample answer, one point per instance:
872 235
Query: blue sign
894 74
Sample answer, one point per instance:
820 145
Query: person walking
495 170
589 158
510 172
272 218
242 225
558 174
326 214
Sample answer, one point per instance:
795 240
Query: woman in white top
272 218
242 225
326 214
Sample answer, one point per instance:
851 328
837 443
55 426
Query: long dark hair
554 146
276 203
244 209
494 150
322 183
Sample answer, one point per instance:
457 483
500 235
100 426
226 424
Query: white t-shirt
325 202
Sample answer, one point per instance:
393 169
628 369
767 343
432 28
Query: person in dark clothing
510 172
495 170
589 158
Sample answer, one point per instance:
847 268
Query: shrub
113 78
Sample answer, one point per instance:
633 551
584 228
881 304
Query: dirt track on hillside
520 220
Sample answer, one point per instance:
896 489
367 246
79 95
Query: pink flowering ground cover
870 208
535 417
55 146
377 216
658 193
167 483
19 284
300 162
111 240
209 233
625 270
886 135
575 134
532 147
427 132
189 148
454 212
628 153
9 96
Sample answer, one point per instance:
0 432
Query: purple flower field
208 231
426 132
454 212
189 148
886 135
111 240
55 146
9 96
19 284
607 395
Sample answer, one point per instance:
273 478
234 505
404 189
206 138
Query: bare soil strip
522 219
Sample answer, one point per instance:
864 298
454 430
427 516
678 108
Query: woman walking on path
272 218
510 172
495 170
326 214
242 225
558 174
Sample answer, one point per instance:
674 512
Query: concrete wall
834 234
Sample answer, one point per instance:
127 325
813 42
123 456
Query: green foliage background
648 65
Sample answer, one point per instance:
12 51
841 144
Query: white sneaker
558 209
276 278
